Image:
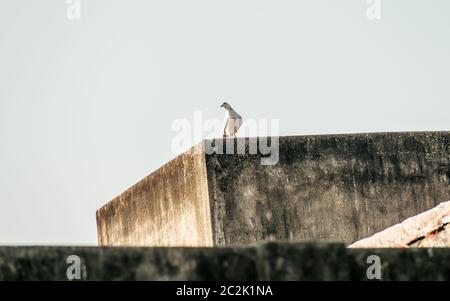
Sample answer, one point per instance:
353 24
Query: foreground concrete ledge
323 188
428 229
269 261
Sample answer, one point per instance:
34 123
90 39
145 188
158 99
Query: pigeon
233 121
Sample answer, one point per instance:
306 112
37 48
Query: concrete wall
329 188
170 207
272 261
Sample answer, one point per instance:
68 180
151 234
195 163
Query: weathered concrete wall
168 208
328 187
271 261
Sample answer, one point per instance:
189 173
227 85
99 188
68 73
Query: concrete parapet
325 188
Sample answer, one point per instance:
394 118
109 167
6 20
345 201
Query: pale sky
86 106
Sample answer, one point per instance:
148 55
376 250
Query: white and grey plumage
233 121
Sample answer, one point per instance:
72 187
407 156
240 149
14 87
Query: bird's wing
237 124
234 114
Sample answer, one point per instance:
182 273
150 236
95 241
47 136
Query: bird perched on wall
233 121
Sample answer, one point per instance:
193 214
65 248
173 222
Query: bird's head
225 105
